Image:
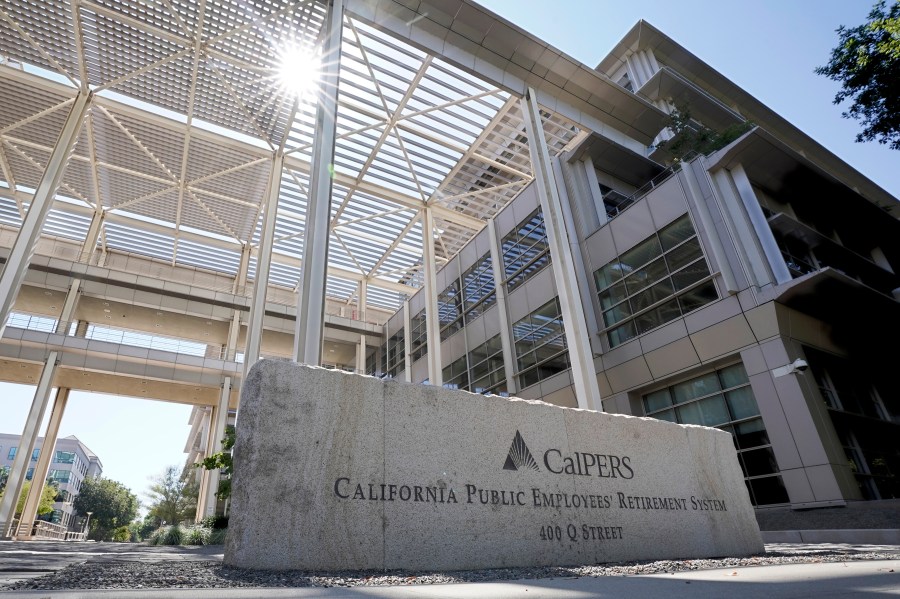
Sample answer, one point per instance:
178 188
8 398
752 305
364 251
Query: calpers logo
519 456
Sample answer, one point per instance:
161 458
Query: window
456 375
540 344
525 250
59 476
35 454
29 474
478 289
65 457
418 336
12 453
396 354
449 303
660 279
486 371
724 399
864 411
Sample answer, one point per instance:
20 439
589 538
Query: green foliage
172 535
214 522
222 461
196 535
45 505
866 61
174 497
122 534
113 506
217 536
690 137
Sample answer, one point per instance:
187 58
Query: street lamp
86 522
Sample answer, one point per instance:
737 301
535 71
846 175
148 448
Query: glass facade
64 457
479 371
724 399
525 250
418 336
540 344
660 279
479 291
449 303
865 415
396 354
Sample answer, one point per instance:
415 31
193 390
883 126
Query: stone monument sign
342 471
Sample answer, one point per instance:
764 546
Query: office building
469 207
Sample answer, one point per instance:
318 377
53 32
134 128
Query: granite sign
337 471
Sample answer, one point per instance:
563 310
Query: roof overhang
625 164
643 35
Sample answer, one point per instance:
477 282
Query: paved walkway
866 579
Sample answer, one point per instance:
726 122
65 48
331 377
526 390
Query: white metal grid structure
187 112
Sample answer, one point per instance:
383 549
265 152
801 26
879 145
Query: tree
866 62
222 461
174 497
45 505
112 504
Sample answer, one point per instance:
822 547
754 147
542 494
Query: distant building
73 462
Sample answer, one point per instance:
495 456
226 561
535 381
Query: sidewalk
876 578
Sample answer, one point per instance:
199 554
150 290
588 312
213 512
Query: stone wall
337 471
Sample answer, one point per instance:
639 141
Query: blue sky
769 48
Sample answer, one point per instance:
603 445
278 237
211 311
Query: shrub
172 535
196 535
122 534
217 536
156 537
214 522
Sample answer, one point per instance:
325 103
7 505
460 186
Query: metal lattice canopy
188 111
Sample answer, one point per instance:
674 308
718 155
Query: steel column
361 316
48 449
23 248
309 332
407 343
432 317
217 433
506 341
26 444
263 262
587 391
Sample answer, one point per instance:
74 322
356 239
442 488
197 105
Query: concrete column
26 445
263 262
48 450
309 332
432 317
217 433
506 339
746 241
584 283
760 225
587 391
594 190
206 443
361 316
698 202
23 248
407 342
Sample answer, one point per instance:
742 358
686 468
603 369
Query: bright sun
298 70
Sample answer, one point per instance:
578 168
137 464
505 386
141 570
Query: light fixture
798 366
298 69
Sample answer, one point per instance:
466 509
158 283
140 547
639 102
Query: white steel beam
29 511
23 248
217 433
361 315
587 391
432 317
407 343
506 340
308 334
263 262
26 445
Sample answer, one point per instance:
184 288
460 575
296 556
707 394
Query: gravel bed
212 574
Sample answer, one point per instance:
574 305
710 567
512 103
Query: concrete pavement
821 580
